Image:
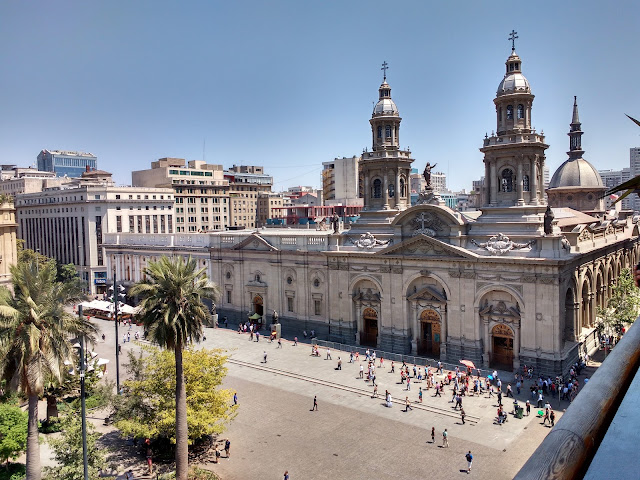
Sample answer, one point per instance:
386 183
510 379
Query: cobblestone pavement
351 436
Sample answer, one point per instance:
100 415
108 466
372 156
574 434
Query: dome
385 105
513 82
576 173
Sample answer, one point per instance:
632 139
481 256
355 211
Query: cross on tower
512 36
384 67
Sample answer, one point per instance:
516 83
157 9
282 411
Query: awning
255 316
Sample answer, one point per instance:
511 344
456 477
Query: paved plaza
352 435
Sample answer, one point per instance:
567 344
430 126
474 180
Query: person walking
407 404
235 398
375 392
361 371
552 416
393 367
437 390
469 458
420 395
328 354
340 364
462 415
509 391
408 383
227 448
500 398
315 403
445 439
528 405
295 341
279 343
265 356
286 475
433 434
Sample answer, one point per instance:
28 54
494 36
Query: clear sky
290 84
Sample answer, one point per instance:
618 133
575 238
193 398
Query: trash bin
519 412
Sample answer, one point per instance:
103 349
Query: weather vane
384 67
512 36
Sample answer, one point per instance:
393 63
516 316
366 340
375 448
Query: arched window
509 112
507 180
392 190
377 188
403 193
525 183
500 114
520 111
380 132
387 131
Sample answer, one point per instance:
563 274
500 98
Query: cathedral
518 282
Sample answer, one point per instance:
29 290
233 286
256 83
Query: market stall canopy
468 363
105 306
255 316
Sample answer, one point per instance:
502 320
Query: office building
66 163
340 182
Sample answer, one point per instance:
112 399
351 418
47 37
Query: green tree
35 341
173 312
622 307
13 431
148 408
67 451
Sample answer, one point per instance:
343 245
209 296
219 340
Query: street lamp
115 298
82 400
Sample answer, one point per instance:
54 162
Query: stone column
487 184
485 342
533 181
367 193
397 197
385 186
444 319
416 330
516 346
494 183
358 317
519 185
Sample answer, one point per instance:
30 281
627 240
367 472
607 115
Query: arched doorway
430 328
369 333
569 317
502 347
258 305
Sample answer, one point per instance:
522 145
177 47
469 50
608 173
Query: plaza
352 435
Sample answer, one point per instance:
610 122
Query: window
392 190
316 283
507 180
228 275
228 296
509 112
289 280
289 304
379 132
118 224
317 307
387 131
402 188
525 183
377 188
520 111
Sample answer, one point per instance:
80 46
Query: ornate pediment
428 294
256 243
425 246
500 310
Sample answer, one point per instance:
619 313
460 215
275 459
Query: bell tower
514 153
385 170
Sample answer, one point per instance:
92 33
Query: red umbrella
467 363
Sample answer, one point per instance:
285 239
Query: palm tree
35 340
173 312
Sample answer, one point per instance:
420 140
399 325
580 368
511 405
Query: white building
68 223
612 178
340 184
16 180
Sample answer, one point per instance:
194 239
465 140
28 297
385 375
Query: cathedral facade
514 285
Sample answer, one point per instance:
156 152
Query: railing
568 449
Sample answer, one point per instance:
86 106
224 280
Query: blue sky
290 84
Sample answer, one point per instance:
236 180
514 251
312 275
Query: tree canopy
147 408
622 307
13 431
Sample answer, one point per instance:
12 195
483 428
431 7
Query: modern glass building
65 163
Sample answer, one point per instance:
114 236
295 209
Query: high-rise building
66 163
67 222
439 182
634 164
612 178
201 192
340 184
245 183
